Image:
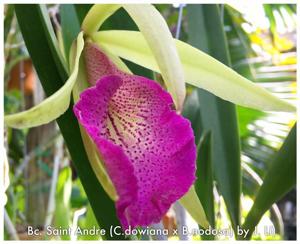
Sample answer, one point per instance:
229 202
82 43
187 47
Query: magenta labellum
148 149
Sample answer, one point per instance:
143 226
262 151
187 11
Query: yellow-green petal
193 205
200 69
159 38
52 107
90 147
96 16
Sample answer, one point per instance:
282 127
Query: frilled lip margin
148 149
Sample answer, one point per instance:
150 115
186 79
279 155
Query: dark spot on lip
172 106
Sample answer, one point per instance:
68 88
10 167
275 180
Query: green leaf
200 70
251 184
82 10
32 19
120 20
218 116
280 179
193 205
191 111
70 26
245 117
52 107
204 182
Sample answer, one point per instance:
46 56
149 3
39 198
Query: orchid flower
148 149
141 149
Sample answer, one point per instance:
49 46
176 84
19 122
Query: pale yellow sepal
90 147
60 43
200 69
52 107
193 205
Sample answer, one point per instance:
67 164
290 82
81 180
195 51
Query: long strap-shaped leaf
52 107
218 117
204 184
280 179
200 70
69 31
31 20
